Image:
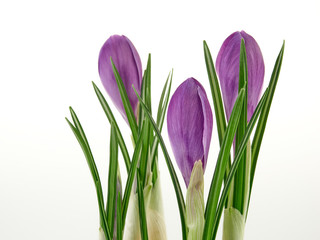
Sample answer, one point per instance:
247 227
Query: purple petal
227 65
189 123
128 64
207 123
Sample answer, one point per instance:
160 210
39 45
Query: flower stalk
234 220
233 224
195 203
154 213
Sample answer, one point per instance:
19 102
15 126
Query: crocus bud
128 64
189 124
227 65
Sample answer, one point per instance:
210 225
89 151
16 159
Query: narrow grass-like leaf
160 104
126 103
145 91
256 143
142 210
219 172
148 85
130 179
162 109
86 152
111 119
236 162
216 93
92 166
79 127
112 177
175 181
145 133
119 218
239 179
217 99
163 103
148 100
142 94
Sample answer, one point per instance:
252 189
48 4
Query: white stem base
233 224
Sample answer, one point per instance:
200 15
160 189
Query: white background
48 58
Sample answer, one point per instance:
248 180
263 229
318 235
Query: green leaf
145 151
147 132
145 90
173 175
219 172
80 135
79 127
126 103
235 164
239 179
112 177
216 93
119 218
142 210
142 94
217 99
132 172
148 85
111 119
256 143
162 109
163 103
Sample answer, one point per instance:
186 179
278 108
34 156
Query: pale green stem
234 222
195 203
230 195
154 213
101 234
154 209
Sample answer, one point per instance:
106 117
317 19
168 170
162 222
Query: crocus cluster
189 124
189 114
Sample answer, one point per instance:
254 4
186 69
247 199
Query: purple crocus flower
227 65
189 124
128 64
